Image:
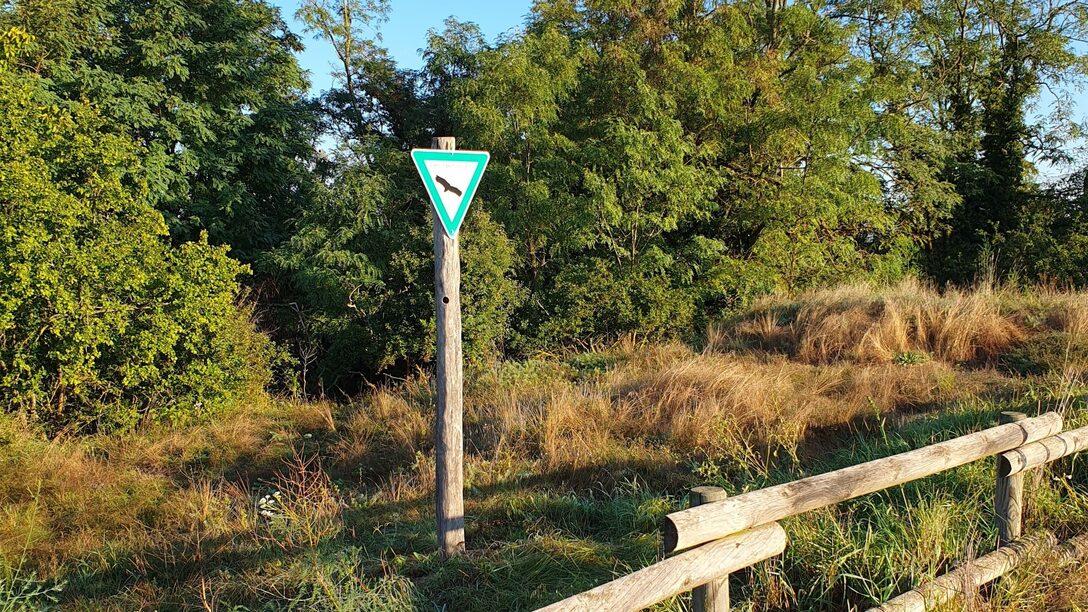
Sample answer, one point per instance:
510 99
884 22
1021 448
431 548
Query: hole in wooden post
445 300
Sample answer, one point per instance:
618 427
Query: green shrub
589 365
102 322
911 358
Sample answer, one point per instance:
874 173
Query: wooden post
1009 496
449 445
714 595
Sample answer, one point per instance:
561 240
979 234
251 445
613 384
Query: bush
102 322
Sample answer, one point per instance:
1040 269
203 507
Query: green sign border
419 156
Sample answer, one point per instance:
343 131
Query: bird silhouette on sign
447 187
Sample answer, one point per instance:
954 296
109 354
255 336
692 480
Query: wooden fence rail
1043 451
681 573
725 535
709 522
965 579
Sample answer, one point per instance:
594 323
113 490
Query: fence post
712 596
1009 496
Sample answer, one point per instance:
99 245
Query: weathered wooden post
450 178
449 443
1009 496
714 595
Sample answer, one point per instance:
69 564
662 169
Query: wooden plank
678 574
1043 451
966 579
708 522
449 442
1009 496
714 595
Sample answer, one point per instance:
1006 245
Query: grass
571 462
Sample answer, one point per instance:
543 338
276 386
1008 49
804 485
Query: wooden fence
717 535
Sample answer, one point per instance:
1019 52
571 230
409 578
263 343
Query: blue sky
406 31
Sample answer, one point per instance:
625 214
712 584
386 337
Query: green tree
1051 240
974 70
102 322
657 162
210 88
362 269
359 268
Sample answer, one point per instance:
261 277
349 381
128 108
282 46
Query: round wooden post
714 595
449 445
1009 496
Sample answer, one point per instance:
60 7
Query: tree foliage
655 163
975 71
102 322
360 267
210 88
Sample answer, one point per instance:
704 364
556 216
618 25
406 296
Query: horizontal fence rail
708 522
1043 451
681 573
965 580
721 535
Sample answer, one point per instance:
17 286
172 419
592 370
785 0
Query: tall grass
864 323
571 462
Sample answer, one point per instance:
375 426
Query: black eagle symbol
447 187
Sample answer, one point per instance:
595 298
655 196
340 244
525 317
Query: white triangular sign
451 179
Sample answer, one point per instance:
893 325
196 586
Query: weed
910 358
303 507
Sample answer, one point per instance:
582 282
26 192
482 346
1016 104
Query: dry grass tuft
863 323
694 400
575 427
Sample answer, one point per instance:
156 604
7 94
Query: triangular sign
451 179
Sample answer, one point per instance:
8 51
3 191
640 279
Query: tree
210 88
360 265
361 268
102 321
657 162
1051 240
974 70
